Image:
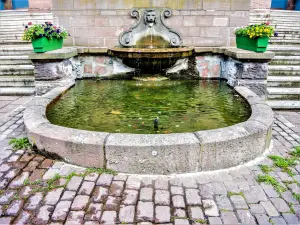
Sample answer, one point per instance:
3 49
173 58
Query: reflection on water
132 106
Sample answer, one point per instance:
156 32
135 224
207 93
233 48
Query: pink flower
29 23
268 23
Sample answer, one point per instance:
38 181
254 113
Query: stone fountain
150 47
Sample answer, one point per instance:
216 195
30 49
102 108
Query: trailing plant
267 179
20 143
256 31
48 30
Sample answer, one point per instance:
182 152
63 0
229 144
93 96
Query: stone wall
260 4
98 23
40 5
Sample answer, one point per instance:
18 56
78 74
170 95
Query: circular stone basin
152 153
154 53
127 106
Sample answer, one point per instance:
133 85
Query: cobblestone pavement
37 190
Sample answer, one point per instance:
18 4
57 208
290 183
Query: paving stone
255 195
27 157
290 218
280 205
99 194
13 158
109 217
34 201
6 197
270 191
104 180
91 177
86 188
223 202
6 220
214 220
162 214
206 191
210 208
175 181
25 192
229 218
50 174
218 188
294 188
116 188
112 203
146 194
133 183
175 190
278 221
19 180
161 183
91 223
12 173
43 215
4 167
74 183
126 214
31 166
61 211
284 176
192 197
181 222
162 197
68 195
75 217
130 197
288 197
245 217
239 202
262 219
270 209
145 211
37 174
47 163
178 201
94 212
257 209
179 213
120 177
23 218
14 207
80 202
189 182
196 213
53 196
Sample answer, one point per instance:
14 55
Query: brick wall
199 22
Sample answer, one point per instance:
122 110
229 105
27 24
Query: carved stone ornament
150 31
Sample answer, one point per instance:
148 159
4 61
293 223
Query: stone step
28 17
283 81
284 91
284 48
284 104
15 60
11 37
25 81
283 68
284 97
285 62
284 42
12 42
17 91
7 70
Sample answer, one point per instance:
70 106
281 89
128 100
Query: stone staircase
284 70
16 70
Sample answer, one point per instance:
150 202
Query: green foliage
234 193
20 143
282 162
296 196
296 152
256 31
271 180
201 221
292 210
266 168
47 30
100 171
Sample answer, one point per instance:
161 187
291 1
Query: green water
131 106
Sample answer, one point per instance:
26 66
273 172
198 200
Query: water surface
121 106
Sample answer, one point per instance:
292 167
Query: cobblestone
162 197
162 214
126 214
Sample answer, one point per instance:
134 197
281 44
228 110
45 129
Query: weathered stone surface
162 214
178 201
34 201
145 211
210 208
80 202
86 188
280 205
53 196
14 207
68 195
270 209
239 202
196 213
130 197
116 188
109 217
229 218
126 214
246 217
224 203
162 197
61 211
43 215
74 183
104 180
99 194
192 197
75 217
146 194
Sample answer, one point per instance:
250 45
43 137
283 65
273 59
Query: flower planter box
256 45
44 45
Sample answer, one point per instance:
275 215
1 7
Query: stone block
205 21
153 153
221 22
216 4
190 21
238 21
189 4
240 5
